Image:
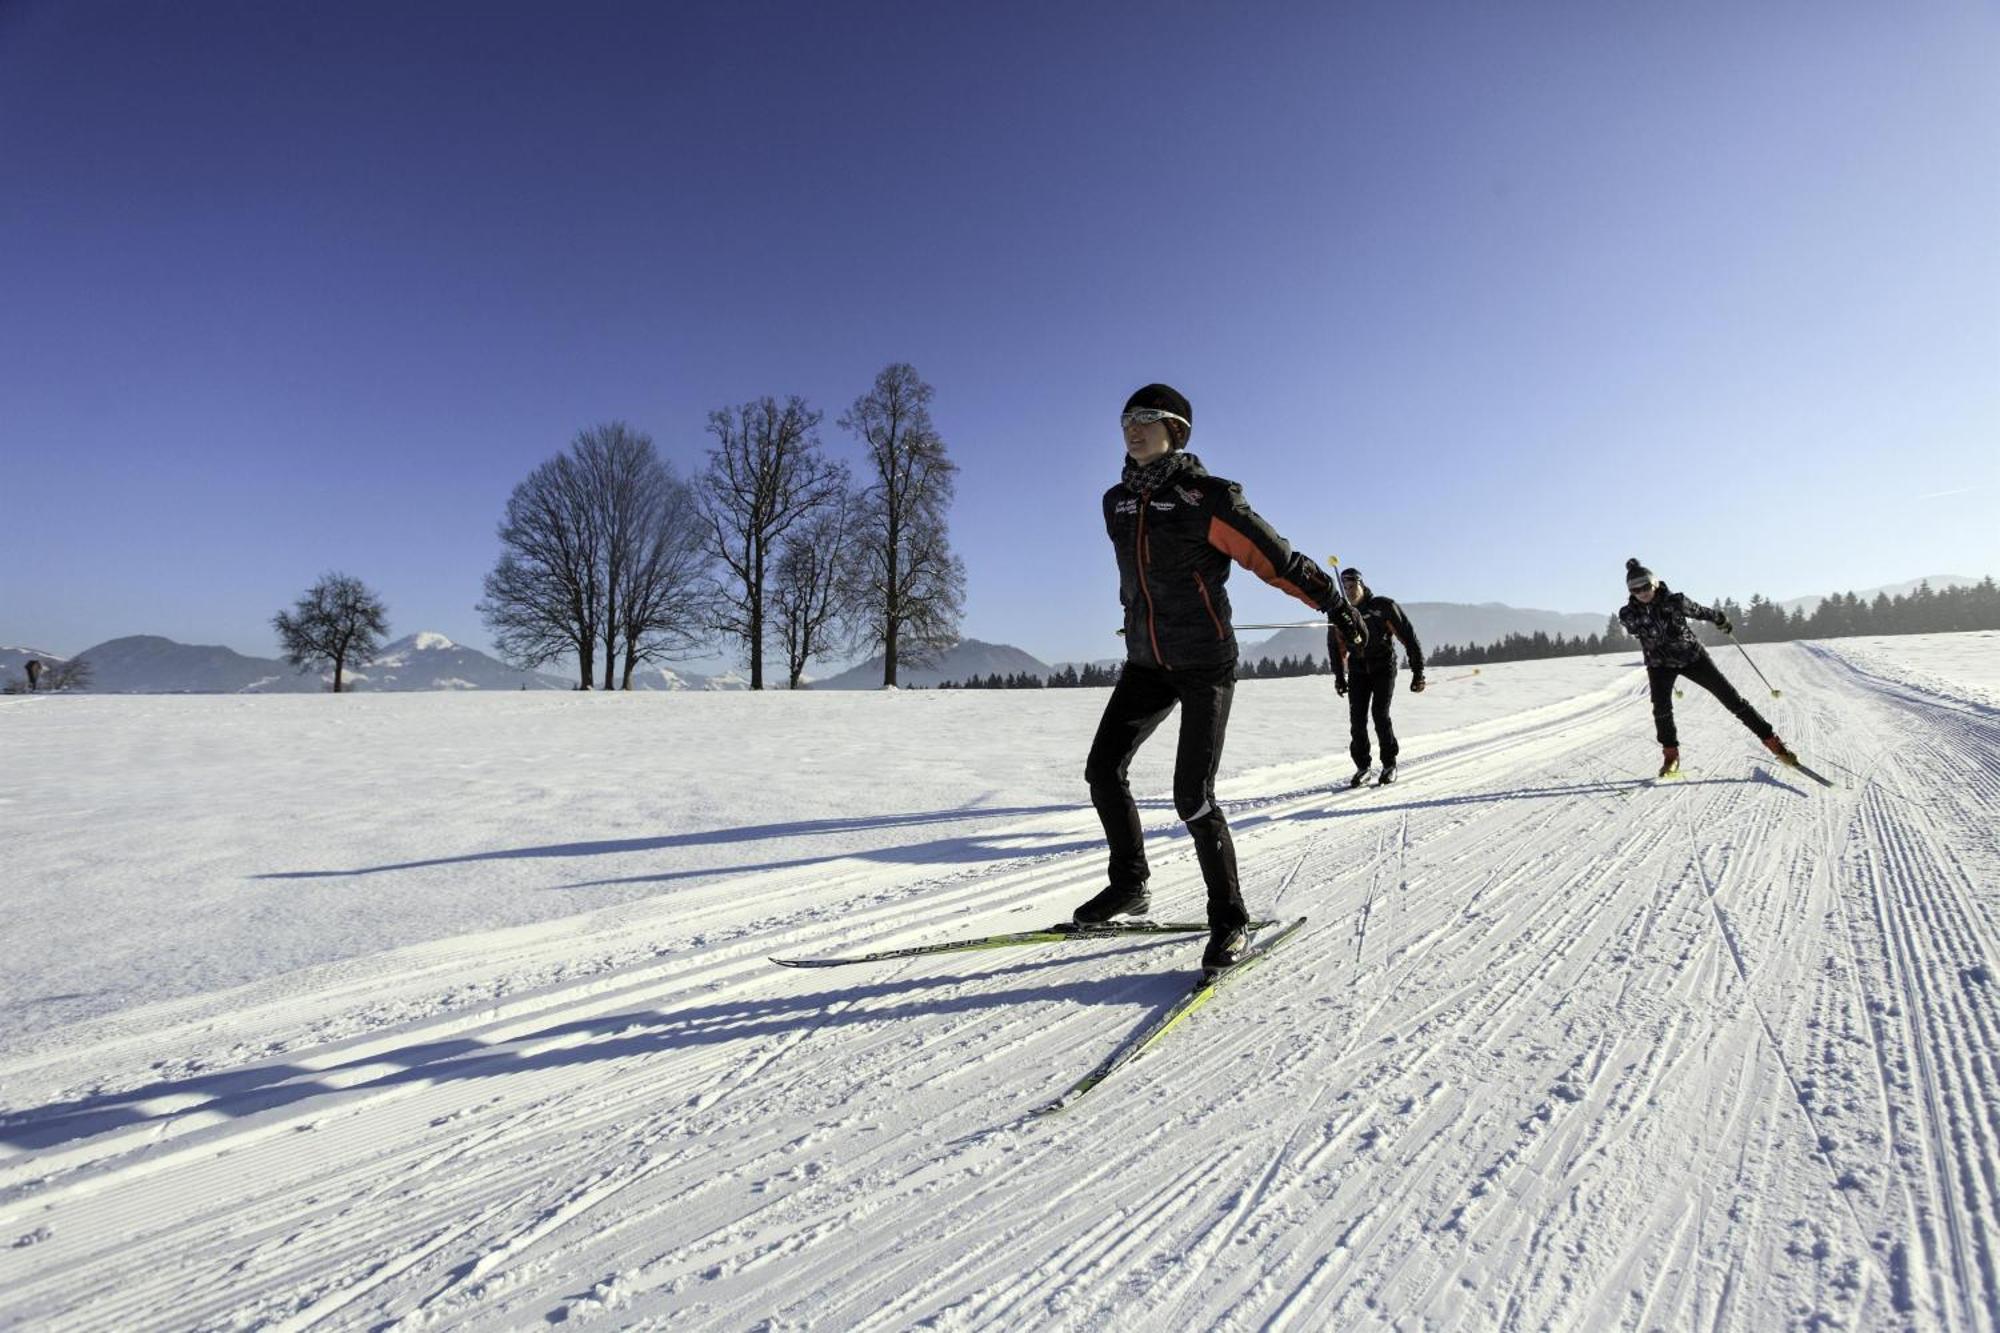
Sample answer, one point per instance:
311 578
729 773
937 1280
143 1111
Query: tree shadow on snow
260 1088
804 828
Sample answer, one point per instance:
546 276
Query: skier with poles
1176 530
1657 617
1374 673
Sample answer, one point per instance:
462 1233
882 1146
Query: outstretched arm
1236 530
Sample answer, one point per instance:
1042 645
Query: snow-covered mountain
430 661
153 664
14 663
657 677
967 659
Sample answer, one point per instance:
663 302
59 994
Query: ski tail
1140 1042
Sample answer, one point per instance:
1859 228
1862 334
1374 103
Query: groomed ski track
1557 1047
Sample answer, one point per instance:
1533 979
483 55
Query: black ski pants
1139 703
1369 689
1703 672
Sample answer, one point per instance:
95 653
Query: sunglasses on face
1146 416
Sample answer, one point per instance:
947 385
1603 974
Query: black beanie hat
1165 398
1637 575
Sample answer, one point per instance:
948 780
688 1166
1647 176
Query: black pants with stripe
1139 703
1703 672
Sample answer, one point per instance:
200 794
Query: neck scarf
1143 480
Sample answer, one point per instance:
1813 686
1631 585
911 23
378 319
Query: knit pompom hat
1637 576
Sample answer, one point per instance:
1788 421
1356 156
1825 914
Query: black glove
1340 685
1722 623
1341 614
1417 683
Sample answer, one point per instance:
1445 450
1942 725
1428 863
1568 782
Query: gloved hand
1417 683
1340 685
1722 623
1345 620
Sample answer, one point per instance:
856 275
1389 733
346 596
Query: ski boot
1225 947
1388 775
1360 776
1670 761
1785 756
1114 901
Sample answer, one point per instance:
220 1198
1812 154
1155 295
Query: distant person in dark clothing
1176 531
1369 680
1658 618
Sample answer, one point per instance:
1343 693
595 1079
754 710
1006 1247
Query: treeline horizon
1923 610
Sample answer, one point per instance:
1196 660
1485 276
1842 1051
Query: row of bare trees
608 556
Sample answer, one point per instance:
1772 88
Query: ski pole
1283 624
1753 666
1449 679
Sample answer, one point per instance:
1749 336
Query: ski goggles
1640 585
1146 416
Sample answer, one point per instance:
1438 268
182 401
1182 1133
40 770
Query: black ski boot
1360 776
1114 901
1388 775
1225 946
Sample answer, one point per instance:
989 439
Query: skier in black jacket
1176 530
1373 673
1658 618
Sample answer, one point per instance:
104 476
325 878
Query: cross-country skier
1658 618
1371 680
1176 529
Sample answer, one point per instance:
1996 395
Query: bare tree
600 553
914 584
337 621
765 473
542 598
34 669
816 587
665 601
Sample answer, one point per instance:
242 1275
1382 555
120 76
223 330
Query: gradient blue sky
1482 297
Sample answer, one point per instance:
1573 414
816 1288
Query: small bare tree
816 587
337 621
915 586
765 473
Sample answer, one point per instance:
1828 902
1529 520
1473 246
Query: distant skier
1658 618
1373 678
1175 530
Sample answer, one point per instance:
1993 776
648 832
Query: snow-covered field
454 1010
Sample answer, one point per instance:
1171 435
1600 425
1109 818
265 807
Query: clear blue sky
1484 298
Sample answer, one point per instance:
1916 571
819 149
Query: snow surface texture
1558 1047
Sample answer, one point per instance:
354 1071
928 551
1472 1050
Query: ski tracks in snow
1556 1048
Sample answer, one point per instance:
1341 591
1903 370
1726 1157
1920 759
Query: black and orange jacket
1386 625
1175 545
